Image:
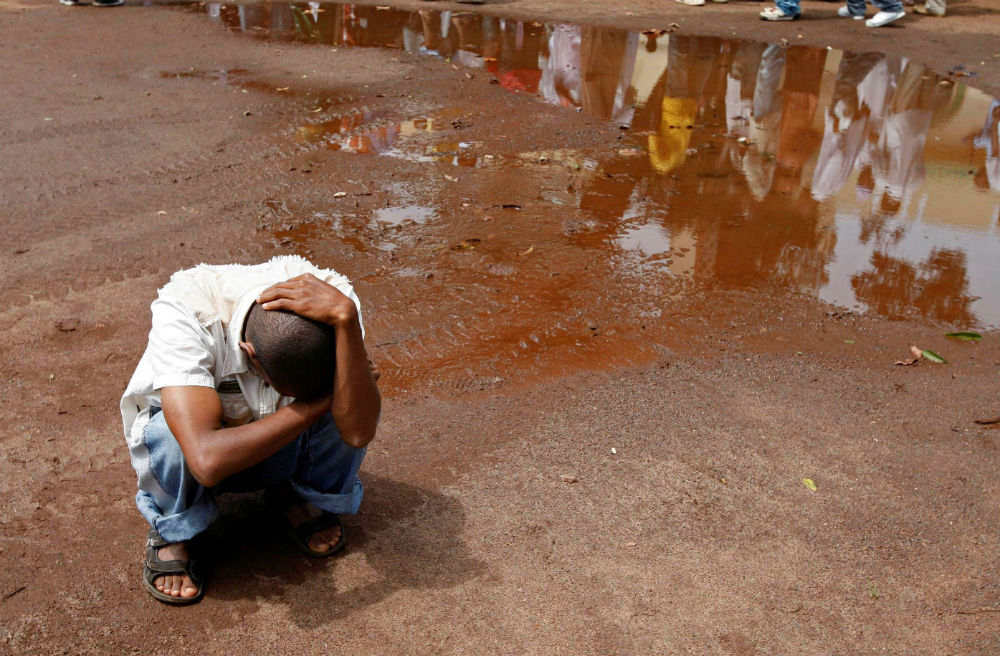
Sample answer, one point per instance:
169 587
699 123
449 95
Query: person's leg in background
932 8
853 9
782 10
889 11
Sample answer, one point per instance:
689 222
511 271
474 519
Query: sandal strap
168 567
311 527
154 539
157 567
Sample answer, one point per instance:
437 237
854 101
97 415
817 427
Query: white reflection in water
397 215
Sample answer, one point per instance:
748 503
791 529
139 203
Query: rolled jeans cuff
347 503
178 527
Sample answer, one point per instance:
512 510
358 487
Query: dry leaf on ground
917 355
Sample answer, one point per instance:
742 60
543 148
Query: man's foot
175 585
325 539
169 574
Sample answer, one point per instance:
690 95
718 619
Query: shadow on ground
408 537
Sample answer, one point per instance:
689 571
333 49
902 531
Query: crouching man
254 377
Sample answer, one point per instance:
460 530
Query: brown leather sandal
281 499
153 568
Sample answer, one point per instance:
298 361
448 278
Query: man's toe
332 537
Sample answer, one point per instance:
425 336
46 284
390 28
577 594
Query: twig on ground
11 594
981 609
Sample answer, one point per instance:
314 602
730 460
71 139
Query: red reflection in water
937 288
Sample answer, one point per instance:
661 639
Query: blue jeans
321 468
790 7
857 7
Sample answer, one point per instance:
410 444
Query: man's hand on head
356 403
310 297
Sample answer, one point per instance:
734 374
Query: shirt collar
234 361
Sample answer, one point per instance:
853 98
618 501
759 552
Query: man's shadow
409 537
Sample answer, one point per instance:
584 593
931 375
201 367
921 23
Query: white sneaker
844 12
884 18
775 14
693 3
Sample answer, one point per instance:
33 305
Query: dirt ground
626 485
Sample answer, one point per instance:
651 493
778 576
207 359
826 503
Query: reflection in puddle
401 214
648 240
356 132
865 180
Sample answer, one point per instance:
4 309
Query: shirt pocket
235 408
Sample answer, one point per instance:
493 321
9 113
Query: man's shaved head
296 353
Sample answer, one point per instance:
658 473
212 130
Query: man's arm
194 415
356 400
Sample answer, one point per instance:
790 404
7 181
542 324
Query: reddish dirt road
573 459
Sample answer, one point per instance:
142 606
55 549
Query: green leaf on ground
933 357
808 482
965 336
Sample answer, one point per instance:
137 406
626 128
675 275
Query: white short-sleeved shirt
197 324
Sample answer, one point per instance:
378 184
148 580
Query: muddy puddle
863 180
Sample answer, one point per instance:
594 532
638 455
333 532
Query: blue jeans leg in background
894 6
857 7
321 468
789 7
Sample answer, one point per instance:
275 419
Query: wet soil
628 290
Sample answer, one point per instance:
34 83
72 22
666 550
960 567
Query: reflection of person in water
562 80
608 58
477 39
798 140
736 237
741 85
520 51
878 120
988 177
897 158
776 236
435 28
848 122
695 83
